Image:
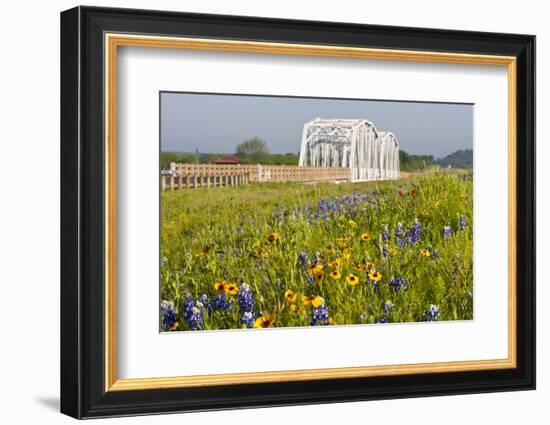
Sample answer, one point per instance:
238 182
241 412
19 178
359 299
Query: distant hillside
459 159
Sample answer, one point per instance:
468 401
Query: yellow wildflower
318 301
319 277
221 285
352 279
290 296
336 263
375 275
335 275
307 299
425 253
265 321
314 269
272 237
231 289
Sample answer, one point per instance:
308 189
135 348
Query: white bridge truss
355 143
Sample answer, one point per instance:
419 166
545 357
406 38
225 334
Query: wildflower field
294 254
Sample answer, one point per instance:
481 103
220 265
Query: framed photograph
261 212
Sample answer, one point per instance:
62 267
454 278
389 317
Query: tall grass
306 240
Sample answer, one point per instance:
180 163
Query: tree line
256 151
250 151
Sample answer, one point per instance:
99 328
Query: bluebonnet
385 234
221 303
246 305
317 259
446 232
188 305
193 313
436 253
327 208
206 304
414 233
168 314
248 319
399 283
382 319
319 316
432 313
195 319
310 279
303 259
462 222
246 300
400 235
385 251
388 305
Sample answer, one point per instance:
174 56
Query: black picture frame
83 392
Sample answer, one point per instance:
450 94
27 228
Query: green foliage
409 162
270 159
167 157
459 159
255 148
208 235
206 158
255 151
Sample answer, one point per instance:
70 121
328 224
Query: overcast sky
215 123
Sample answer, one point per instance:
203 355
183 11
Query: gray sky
217 123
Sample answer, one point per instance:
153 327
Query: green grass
209 235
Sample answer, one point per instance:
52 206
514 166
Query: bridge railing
202 180
265 173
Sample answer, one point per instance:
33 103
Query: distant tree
252 147
188 158
167 157
281 159
207 158
409 162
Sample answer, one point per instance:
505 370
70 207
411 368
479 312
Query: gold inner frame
113 41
